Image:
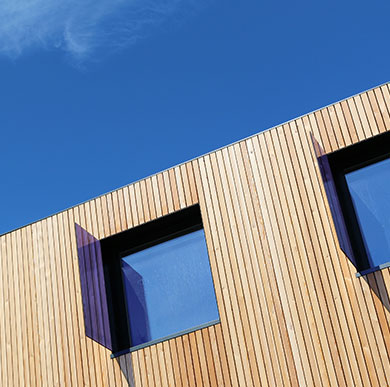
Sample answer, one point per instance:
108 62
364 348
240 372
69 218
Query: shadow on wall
376 283
126 366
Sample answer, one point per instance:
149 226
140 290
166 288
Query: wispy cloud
79 27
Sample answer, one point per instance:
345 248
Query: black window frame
349 159
117 246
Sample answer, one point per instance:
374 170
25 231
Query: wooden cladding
292 310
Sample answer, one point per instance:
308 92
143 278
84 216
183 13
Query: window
369 188
361 176
158 280
169 288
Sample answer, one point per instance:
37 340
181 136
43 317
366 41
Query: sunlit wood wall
292 310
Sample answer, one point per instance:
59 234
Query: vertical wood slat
272 341
221 269
14 313
58 308
292 310
251 249
45 347
11 313
23 294
296 249
51 317
5 319
275 246
288 241
75 374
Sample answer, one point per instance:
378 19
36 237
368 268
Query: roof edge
196 158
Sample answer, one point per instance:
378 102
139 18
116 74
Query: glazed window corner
357 183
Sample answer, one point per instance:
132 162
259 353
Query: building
294 219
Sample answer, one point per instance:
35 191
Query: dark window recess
158 280
357 183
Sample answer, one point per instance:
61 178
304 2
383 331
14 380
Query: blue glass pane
169 288
370 192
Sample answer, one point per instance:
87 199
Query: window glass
370 192
169 288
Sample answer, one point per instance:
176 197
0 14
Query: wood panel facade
292 310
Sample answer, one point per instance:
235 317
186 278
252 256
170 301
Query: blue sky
97 94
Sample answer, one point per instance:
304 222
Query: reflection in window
169 288
370 192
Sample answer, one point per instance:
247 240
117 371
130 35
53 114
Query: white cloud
79 27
